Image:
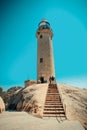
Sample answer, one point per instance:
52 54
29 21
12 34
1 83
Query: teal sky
18 44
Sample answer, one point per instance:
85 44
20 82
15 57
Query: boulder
2 105
30 99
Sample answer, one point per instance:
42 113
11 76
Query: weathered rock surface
75 102
2 105
30 82
6 95
30 99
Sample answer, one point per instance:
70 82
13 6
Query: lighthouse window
41 60
41 36
38 33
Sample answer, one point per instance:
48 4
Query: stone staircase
53 105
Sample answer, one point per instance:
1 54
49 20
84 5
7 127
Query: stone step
54 102
54 106
52 85
53 112
50 95
53 109
52 88
53 94
53 115
53 98
52 91
56 98
50 99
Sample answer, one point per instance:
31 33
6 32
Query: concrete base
24 121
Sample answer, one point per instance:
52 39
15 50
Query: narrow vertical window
41 60
41 36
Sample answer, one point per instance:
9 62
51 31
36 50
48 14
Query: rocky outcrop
6 95
32 99
29 82
75 103
2 105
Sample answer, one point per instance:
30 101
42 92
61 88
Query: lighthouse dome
44 25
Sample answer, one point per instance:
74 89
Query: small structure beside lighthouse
45 60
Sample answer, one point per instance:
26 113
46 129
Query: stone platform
24 121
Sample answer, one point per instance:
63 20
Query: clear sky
18 44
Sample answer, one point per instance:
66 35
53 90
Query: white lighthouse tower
45 60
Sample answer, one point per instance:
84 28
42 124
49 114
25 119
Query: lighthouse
45 60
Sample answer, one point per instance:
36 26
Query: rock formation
6 95
75 101
32 99
2 105
29 82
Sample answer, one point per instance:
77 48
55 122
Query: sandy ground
24 121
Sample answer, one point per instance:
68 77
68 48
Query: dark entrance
42 79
